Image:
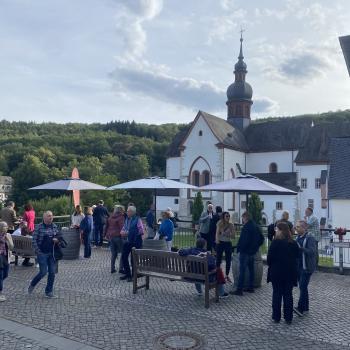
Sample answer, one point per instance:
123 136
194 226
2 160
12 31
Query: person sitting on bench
201 250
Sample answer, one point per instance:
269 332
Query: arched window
273 168
200 133
206 177
195 178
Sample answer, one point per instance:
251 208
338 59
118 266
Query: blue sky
158 61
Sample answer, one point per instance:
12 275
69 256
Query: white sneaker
2 298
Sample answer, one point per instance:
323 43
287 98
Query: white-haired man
45 236
133 231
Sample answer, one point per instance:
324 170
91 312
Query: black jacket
250 239
282 260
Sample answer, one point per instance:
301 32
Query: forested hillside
109 153
104 153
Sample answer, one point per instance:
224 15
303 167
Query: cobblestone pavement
97 309
12 341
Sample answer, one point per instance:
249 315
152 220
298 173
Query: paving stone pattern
97 309
12 341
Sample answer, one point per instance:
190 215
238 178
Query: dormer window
200 133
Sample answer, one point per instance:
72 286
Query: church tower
239 95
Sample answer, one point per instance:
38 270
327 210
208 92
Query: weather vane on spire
242 31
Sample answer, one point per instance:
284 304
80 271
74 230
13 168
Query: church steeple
239 94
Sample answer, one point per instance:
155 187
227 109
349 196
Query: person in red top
29 217
113 227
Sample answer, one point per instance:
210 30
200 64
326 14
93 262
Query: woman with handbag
6 245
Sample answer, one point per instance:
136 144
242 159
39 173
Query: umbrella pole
71 207
155 205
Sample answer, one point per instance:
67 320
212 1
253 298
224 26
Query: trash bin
72 237
258 270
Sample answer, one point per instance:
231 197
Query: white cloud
183 92
130 18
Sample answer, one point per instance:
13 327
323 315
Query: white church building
290 152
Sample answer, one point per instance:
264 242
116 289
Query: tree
255 208
198 207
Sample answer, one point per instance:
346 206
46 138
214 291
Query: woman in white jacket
6 245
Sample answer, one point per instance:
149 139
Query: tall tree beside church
198 207
255 208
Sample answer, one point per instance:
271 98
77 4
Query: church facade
290 152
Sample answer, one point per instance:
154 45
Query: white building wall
173 168
202 148
231 159
310 172
340 213
259 162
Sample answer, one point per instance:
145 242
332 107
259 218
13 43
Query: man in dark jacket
100 216
249 242
46 236
306 266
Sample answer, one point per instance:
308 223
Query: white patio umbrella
69 184
153 183
247 184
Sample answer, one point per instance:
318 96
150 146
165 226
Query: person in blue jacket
166 229
86 227
201 250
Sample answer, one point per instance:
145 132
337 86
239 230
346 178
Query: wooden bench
172 266
23 247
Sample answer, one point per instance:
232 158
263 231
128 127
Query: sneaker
250 290
51 296
225 295
121 272
28 264
2 298
237 292
275 320
30 289
298 311
199 294
113 271
288 322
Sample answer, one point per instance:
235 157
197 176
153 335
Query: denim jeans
283 291
220 249
98 233
199 288
4 272
304 280
246 260
47 264
87 244
116 245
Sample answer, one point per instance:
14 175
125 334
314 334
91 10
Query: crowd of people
290 261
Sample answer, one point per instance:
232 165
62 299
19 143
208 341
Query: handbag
57 249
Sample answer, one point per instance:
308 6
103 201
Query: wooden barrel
72 237
154 244
258 271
